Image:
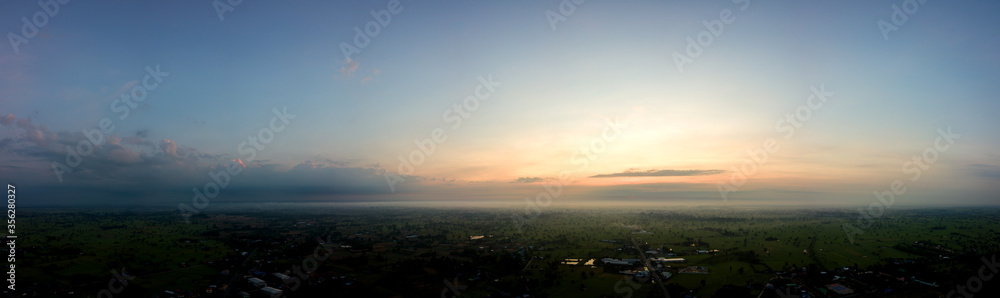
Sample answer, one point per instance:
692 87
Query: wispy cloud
349 67
659 173
528 180
369 78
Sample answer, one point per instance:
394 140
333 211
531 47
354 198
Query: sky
804 103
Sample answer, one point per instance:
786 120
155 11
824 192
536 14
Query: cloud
7 119
369 78
39 135
6 144
135 141
307 165
134 170
123 155
169 147
349 67
986 171
528 180
127 160
114 140
659 173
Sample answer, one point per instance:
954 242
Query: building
666 260
282 277
626 262
256 282
694 270
839 289
272 292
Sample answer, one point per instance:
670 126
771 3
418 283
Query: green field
389 252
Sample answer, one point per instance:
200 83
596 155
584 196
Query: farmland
396 252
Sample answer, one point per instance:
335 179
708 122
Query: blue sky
557 88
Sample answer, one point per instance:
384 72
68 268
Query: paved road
645 262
